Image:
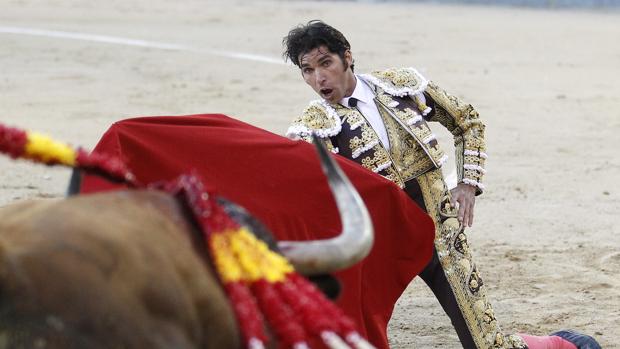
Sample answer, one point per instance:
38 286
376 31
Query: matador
380 120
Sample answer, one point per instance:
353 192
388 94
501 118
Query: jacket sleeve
463 121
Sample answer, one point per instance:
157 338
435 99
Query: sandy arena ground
545 82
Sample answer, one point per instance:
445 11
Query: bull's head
113 270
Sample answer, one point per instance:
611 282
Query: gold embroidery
460 243
379 158
328 144
457 263
516 342
355 120
413 123
472 159
398 77
463 121
436 152
393 176
367 141
422 132
472 174
409 159
350 115
375 157
405 115
315 118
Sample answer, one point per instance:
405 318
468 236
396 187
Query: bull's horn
346 249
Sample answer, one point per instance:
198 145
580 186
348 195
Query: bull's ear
242 217
329 285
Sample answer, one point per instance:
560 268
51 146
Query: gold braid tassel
422 107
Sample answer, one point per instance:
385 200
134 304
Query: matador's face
328 75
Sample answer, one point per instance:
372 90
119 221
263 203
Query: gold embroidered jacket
410 100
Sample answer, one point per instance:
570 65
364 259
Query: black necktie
352 102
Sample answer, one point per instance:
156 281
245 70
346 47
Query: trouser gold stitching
462 274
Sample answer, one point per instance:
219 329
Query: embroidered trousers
452 275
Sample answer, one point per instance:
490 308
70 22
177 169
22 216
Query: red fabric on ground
280 181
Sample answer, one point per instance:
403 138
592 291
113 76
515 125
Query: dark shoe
581 341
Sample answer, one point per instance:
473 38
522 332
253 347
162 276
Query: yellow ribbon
46 149
240 256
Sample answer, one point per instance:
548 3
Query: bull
127 269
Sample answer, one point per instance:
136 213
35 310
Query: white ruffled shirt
366 105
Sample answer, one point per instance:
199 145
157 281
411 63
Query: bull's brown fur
112 270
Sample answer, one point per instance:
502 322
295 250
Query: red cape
281 183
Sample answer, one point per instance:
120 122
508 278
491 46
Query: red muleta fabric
281 183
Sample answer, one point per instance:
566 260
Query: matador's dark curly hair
306 37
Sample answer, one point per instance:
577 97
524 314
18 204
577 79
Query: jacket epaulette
399 82
318 118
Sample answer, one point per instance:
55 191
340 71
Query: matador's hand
465 196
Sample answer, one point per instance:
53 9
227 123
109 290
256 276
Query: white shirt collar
362 92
